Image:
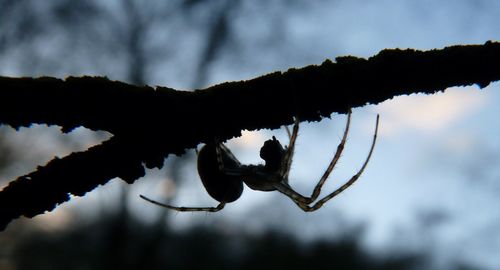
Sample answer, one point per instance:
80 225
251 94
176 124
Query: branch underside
148 124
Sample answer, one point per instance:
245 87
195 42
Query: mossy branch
149 123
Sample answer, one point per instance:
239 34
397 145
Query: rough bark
149 123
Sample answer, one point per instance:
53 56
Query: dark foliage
112 245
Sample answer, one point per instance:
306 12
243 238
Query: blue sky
433 181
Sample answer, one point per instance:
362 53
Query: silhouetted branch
148 124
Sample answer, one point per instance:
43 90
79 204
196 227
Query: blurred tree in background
138 42
149 247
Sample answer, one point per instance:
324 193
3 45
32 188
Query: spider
223 175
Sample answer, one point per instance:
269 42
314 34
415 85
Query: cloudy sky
433 181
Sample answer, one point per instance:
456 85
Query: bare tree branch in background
137 37
216 40
149 124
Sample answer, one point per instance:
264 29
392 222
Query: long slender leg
186 209
340 148
218 153
287 160
351 181
228 152
221 149
300 199
296 197
288 132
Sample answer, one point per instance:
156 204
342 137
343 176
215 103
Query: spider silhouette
223 175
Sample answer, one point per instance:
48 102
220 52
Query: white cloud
428 113
249 139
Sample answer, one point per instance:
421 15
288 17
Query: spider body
223 175
262 177
221 186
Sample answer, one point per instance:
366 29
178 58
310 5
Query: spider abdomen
219 185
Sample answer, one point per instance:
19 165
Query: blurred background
428 199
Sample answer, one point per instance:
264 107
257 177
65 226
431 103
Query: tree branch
148 124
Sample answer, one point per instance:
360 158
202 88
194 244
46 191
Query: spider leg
302 200
186 209
287 160
218 152
219 148
340 148
288 132
227 151
296 197
351 181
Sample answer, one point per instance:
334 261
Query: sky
433 180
